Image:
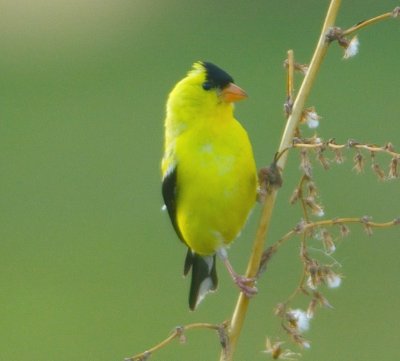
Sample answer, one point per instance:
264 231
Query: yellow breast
216 184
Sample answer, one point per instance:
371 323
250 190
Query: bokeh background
90 268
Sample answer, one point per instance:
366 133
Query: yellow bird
209 176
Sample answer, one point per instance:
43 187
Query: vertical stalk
242 304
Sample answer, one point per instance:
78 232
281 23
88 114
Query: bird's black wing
204 273
170 195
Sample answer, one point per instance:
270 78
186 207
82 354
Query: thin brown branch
304 227
179 333
315 143
374 20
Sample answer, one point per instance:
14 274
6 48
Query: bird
209 175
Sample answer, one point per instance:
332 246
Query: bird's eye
207 85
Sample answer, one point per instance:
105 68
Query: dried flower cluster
277 352
322 271
310 117
302 68
363 153
315 274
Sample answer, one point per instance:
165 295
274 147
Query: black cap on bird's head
216 78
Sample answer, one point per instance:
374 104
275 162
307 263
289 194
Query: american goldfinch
209 176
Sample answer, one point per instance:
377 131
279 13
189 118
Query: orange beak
232 93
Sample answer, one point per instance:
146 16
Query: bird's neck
211 120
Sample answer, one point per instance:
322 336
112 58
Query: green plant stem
242 304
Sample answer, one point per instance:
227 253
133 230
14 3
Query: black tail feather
204 276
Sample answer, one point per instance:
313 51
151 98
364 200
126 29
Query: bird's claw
246 285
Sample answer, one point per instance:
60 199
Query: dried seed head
322 300
316 140
300 340
312 306
376 167
352 48
344 230
396 12
274 349
321 158
305 257
298 320
328 242
180 332
368 229
333 280
338 156
299 228
322 274
312 189
265 258
352 143
358 162
365 220
393 168
314 278
312 283
302 68
316 208
378 171
317 300
389 147
305 164
310 117
329 277
277 353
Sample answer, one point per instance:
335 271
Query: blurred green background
90 267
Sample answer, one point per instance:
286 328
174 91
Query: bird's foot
246 285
